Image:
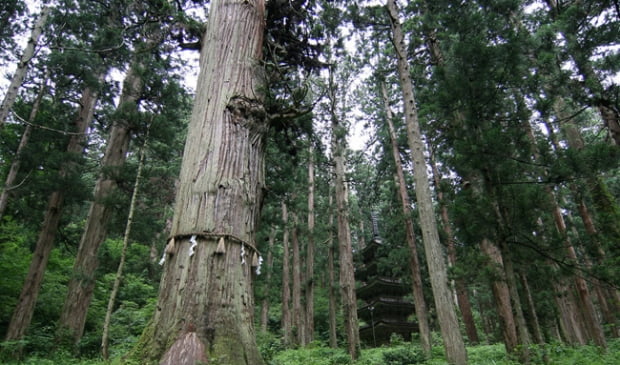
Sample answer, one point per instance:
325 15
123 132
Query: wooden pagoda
385 311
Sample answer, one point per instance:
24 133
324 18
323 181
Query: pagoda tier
382 330
381 285
386 307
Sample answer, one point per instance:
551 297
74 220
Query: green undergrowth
396 354
407 354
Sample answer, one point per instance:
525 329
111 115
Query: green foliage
403 355
14 261
312 355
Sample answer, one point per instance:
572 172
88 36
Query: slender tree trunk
205 306
309 288
22 66
462 296
82 283
444 303
286 275
22 316
421 310
347 278
14 169
333 338
121 265
264 317
501 293
521 325
298 312
531 307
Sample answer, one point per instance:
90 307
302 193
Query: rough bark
286 277
521 325
531 308
121 265
444 303
345 249
22 316
22 66
206 286
264 317
331 273
82 283
501 293
23 142
309 285
299 324
462 295
421 310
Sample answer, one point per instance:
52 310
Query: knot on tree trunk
247 112
186 350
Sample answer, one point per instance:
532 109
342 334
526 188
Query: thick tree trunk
414 262
82 283
286 323
569 315
23 142
121 265
22 315
22 66
205 306
444 303
345 252
309 285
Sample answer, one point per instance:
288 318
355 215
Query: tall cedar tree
205 306
444 304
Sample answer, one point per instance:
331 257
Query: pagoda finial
375 225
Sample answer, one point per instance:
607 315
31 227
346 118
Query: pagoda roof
386 306
381 286
368 252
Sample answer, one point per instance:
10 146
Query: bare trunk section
421 310
23 142
309 285
444 303
121 265
345 252
531 309
333 338
82 283
501 293
22 316
205 305
22 66
462 295
522 330
286 286
264 311
299 324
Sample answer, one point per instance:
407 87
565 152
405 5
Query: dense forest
194 181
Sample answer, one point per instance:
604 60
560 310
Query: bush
402 355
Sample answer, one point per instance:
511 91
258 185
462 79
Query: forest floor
401 353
